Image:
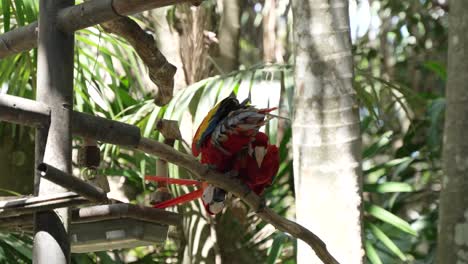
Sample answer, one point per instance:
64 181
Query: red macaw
227 129
228 140
258 165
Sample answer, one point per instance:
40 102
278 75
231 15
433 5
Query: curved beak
260 153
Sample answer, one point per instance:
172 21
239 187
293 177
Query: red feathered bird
228 140
227 129
258 165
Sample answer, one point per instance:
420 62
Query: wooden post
55 89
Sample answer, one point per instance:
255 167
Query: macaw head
213 199
212 119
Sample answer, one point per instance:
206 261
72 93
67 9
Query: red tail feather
172 180
181 199
267 110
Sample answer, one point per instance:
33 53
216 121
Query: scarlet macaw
229 141
258 165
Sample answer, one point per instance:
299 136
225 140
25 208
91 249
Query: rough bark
326 136
269 31
192 24
453 215
228 37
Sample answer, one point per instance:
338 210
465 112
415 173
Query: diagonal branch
240 190
161 72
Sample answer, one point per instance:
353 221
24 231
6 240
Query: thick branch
161 72
241 190
77 17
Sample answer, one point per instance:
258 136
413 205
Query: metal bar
105 130
22 111
77 17
29 205
72 183
55 89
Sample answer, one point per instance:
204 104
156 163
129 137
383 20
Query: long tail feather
278 116
267 110
181 199
172 180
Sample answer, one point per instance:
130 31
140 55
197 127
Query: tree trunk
228 36
453 223
269 31
194 22
326 136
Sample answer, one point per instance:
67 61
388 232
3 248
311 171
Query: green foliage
401 115
15 248
400 78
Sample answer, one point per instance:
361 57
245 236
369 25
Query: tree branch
240 190
77 17
161 72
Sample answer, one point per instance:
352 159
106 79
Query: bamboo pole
77 17
55 89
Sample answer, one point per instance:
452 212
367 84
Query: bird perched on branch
229 141
258 165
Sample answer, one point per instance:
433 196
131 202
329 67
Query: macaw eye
219 195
